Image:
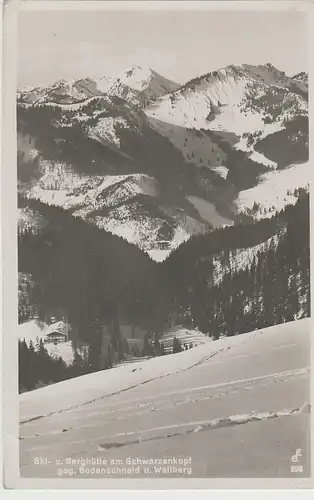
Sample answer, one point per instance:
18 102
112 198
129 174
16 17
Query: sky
180 45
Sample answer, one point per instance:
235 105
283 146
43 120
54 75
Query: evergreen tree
162 349
94 351
157 345
176 346
292 299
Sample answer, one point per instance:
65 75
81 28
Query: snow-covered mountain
125 205
60 92
137 84
134 85
240 104
302 77
153 162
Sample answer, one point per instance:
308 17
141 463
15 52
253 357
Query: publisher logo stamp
296 465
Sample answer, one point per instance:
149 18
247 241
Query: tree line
273 288
98 279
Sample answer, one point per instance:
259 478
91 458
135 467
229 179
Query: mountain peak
133 69
301 77
269 65
136 68
266 74
148 81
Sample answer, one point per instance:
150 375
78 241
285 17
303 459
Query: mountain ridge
135 84
204 143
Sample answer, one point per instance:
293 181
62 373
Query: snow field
77 392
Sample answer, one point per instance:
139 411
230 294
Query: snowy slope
136 85
61 185
60 92
302 78
275 190
239 259
141 229
186 337
220 94
76 392
30 95
30 220
105 129
133 85
237 99
207 119
125 205
148 81
260 158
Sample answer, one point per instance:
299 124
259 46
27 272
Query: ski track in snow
201 426
183 428
75 393
154 403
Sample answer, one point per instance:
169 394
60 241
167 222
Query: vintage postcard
156 196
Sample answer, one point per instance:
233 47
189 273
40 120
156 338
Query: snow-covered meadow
76 392
275 190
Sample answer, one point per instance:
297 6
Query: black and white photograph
163 242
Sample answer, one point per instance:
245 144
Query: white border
9 197
156 5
